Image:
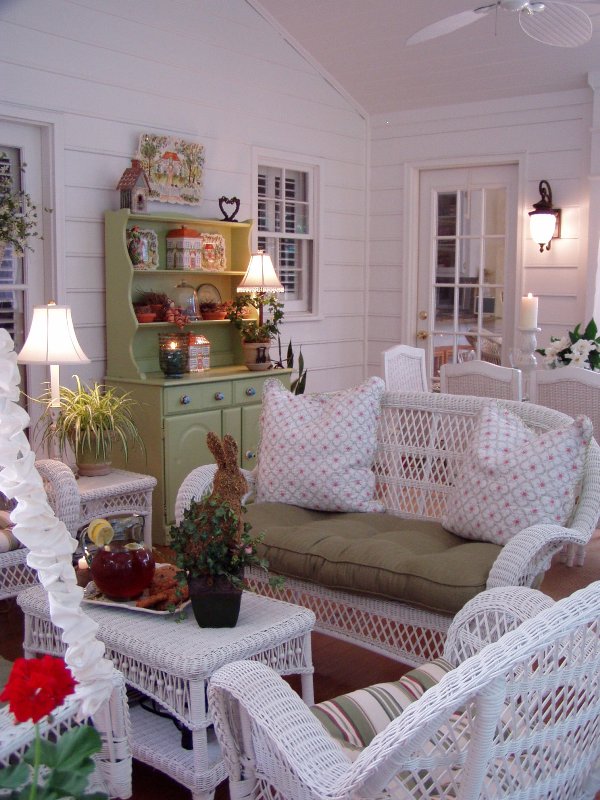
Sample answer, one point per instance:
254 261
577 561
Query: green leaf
13 777
75 747
591 330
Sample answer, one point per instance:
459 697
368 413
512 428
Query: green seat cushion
381 555
357 717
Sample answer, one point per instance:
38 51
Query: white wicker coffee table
171 662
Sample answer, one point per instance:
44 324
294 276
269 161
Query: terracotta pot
89 465
214 314
215 601
256 355
149 317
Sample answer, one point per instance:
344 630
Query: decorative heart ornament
229 201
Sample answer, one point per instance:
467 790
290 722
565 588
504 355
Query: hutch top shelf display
132 347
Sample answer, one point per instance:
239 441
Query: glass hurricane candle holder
173 354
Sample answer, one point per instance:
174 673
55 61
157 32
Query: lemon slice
100 532
133 546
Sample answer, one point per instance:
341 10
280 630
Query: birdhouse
134 187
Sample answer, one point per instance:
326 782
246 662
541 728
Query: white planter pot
256 355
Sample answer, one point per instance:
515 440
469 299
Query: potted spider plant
89 421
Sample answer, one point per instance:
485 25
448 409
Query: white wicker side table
77 501
171 662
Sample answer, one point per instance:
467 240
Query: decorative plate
142 246
213 252
94 597
207 293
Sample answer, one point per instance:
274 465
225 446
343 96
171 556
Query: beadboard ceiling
361 45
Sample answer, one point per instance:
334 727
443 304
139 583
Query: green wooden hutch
174 415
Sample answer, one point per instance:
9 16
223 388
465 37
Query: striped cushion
356 718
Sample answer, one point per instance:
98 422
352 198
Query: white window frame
308 307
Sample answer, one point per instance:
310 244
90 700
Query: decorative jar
198 353
185 297
184 249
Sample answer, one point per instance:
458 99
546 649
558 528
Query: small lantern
173 354
134 187
184 249
199 353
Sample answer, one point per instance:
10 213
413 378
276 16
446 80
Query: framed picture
175 168
142 246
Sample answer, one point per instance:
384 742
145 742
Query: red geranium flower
37 686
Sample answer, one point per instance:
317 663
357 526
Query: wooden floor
339 667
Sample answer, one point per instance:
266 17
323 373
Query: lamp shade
260 275
542 225
51 338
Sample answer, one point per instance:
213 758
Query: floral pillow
512 477
317 450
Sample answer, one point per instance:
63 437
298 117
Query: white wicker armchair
519 718
421 441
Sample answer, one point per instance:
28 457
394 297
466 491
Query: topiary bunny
212 539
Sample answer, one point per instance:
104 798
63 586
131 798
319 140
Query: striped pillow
356 718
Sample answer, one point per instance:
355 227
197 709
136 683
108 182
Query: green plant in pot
257 290
89 421
213 545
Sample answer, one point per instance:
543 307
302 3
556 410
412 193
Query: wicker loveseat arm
529 553
61 489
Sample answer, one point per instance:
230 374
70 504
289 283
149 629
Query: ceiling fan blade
559 24
444 26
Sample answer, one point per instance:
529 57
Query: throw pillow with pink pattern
317 450
512 477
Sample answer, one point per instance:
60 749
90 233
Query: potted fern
89 421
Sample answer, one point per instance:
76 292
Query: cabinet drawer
248 390
197 398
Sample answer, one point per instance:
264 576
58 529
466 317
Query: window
286 228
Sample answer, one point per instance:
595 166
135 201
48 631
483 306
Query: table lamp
260 279
51 340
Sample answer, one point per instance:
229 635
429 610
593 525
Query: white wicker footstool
171 662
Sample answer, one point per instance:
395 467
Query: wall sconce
544 221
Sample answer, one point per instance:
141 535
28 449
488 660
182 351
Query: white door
466 264
23 278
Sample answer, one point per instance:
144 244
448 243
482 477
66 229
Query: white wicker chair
573 391
482 379
518 719
421 441
404 369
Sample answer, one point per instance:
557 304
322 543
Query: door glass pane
446 214
495 211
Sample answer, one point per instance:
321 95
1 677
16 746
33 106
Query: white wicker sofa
421 444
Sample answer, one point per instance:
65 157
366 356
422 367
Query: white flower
576 359
556 345
583 347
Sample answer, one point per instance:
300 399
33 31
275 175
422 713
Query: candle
529 312
82 563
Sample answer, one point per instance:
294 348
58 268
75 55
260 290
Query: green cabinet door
185 449
250 435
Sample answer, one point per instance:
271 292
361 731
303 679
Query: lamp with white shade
260 279
52 341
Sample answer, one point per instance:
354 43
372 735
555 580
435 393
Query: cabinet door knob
251 391
185 399
219 396
250 454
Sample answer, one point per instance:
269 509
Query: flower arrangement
18 216
49 769
578 348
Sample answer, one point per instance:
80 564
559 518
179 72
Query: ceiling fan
550 22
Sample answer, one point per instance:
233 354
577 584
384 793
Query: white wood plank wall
213 71
552 134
